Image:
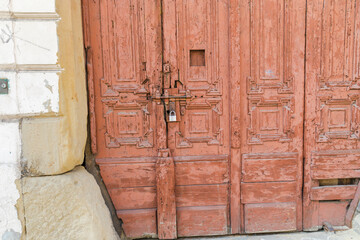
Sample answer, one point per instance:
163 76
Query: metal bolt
3 85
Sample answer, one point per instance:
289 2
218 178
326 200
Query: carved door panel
267 63
196 81
332 148
123 38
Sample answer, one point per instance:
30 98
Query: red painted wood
333 193
331 99
133 198
332 212
202 221
188 173
166 206
275 216
233 72
267 67
201 195
128 175
139 223
353 205
268 192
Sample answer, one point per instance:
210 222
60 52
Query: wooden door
197 68
124 46
197 113
332 146
267 72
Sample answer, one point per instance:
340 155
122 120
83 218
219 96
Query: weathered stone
67 206
60 141
51 153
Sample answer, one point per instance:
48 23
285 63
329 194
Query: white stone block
9 143
8 102
6 42
4 5
8 196
38 92
36 42
33 5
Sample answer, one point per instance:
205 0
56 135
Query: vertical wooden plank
354 203
234 92
313 28
169 18
89 72
166 205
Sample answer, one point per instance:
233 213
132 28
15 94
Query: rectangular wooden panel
201 195
327 160
270 217
269 168
335 173
268 192
166 206
333 192
139 223
202 221
214 172
333 212
128 175
133 198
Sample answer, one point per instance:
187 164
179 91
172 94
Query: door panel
332 110
197 113
125 54
199 139
267 43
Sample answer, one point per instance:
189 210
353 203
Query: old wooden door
197 68
159 105
267 72
196 112
332 146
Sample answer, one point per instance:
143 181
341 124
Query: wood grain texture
270 217
202 221
201 172
166 205
333 212
333 192
128 175
201 195
268 192
332 91
133 198
269 170
139 223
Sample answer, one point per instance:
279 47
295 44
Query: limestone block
53 152
67 206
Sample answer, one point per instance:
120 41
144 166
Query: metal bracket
4 86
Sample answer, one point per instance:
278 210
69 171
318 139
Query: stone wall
43 125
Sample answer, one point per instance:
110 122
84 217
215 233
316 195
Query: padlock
172 116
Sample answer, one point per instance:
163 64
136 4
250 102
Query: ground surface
352 234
